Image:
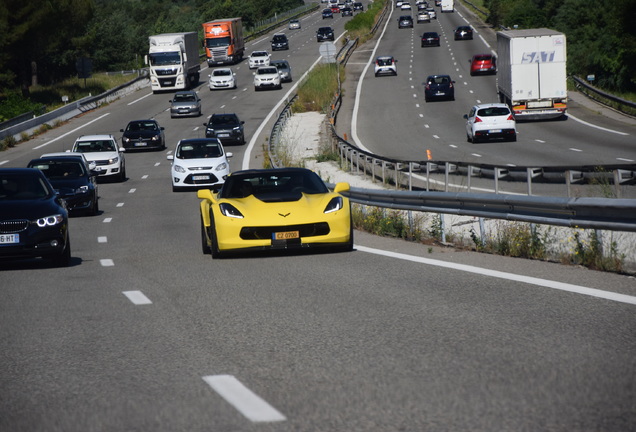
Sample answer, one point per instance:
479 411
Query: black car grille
13 226
305 230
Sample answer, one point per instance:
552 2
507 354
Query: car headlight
155 138
334 205
179 169
221 167
49 220
125 139
230 211
113 160
237 128
81 190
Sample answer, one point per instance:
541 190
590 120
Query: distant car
104 151
222 78
274 209
487 121
438 2
398 3
199 162
73 180
439 87
405 21
267 77
423 17
405 6
430 39
294 24
358 6
346 11
431 12
483 64
280 42
335 9
385 65
258 59
324 34
227 127
284 69
327 13
463 33
185 103
33 218
143 135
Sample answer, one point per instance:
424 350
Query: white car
199 163
267 77
487 121
423 17
222 78
105 152
431 12
258 59
385 65
405 6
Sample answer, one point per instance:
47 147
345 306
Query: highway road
145 333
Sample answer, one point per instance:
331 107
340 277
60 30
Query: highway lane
350 341
439 126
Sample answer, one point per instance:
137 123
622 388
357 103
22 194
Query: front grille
264 233
191 181
13 226
165 72
219 54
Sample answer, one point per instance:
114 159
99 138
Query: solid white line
243 399
137 297
594 126
508 276
141 98
70 132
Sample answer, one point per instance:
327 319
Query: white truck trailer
173 59
447 6
531 72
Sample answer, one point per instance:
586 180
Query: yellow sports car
281 208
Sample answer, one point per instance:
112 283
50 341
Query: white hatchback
385 65
258 59
488 121
222 78
104 151
267 77
199 163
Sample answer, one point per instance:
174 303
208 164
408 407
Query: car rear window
493 111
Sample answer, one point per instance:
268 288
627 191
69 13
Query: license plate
201 177
140 144
495 131
224 135
9 238
286 235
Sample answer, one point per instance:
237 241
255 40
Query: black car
142 135
327 13
228 128
405 21
358 6
463 33
439 87
430 39
280 42
72 179
346 11
33 218
325 33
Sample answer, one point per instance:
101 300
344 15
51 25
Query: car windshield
60 170
22 186
273 186
222 72
222 120
199 150
267 71
493 111
280 64
259 54
438 80
184 97
139 126
95 146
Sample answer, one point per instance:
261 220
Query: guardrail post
373 170
428 175
383 173
397 182
410 176
530 174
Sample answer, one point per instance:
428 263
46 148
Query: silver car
184 104
284 69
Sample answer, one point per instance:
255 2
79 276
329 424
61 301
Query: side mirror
121 130
341 187
229 155
170 157
466 116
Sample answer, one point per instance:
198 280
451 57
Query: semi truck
447 6
223 41
173 59
532 73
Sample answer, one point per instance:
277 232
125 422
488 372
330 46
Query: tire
214 248
205 247
122 174
63 259
94 208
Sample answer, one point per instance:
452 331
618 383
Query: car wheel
122 174
214 248
95 207
205 247
63 259
468 139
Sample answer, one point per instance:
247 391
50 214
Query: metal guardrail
600 96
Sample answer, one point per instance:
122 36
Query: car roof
199 140
59 158
490 105
186 92
21 171
95 137
385 57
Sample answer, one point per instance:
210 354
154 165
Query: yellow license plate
286 235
